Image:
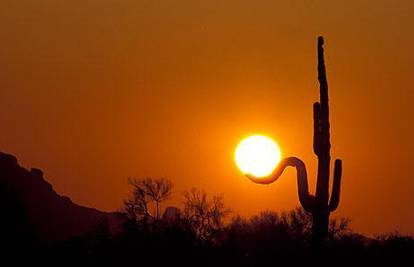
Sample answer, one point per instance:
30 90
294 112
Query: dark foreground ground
40 227
261 241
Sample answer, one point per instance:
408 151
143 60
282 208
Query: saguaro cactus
319 205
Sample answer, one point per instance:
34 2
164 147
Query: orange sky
93 92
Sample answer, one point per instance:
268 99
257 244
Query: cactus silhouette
319 205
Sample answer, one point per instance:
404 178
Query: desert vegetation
202 231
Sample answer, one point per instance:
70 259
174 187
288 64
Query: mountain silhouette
30 204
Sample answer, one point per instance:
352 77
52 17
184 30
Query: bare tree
147 191
204 215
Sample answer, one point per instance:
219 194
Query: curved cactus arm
336 188
283 164
305 199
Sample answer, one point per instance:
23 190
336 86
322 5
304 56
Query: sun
257 155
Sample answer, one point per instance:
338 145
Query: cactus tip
320 40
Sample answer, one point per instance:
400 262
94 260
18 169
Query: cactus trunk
320 226
322 146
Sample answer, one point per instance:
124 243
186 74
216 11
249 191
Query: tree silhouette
204 215
146 191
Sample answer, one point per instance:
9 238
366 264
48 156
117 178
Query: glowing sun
257 155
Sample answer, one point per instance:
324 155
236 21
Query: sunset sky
93 92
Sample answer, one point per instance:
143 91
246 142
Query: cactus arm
305 199
316 128
336 188
283 164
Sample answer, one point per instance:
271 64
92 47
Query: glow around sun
257 155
